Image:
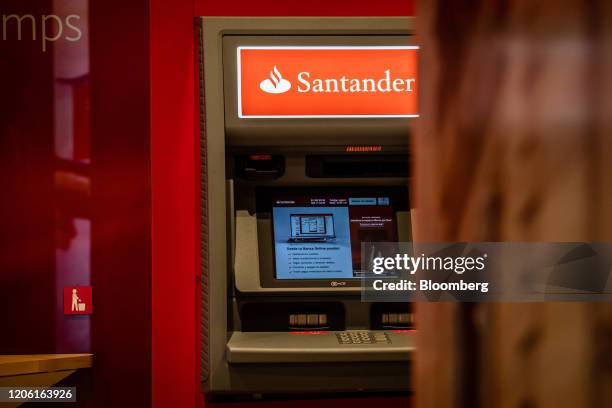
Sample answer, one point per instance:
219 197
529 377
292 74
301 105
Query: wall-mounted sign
78 300
327 81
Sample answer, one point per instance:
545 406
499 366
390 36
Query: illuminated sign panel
327 81
78 300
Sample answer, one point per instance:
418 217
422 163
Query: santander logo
276 84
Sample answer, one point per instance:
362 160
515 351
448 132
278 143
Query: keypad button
361 337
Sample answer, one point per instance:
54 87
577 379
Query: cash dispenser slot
260 166
359 165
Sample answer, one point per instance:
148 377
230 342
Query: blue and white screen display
320 238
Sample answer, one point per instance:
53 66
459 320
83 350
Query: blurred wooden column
514 143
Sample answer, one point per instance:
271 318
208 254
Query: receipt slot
305 135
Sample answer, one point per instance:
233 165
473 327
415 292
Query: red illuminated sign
327 81
78 300
361 149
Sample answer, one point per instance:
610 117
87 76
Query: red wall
174 148
121 195
305 8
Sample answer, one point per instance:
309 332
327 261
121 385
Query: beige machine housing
241 361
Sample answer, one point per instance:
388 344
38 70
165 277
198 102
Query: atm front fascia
274 187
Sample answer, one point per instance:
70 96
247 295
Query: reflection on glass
71 174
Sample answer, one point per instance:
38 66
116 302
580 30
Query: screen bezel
265 196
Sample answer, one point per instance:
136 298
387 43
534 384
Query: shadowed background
514 144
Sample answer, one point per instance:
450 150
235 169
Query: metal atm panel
240 360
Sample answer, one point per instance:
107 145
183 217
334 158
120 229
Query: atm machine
299 167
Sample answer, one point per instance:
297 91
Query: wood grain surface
514 143
12 365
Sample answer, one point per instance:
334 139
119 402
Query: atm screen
319 237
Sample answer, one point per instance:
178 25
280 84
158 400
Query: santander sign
275 84
327 81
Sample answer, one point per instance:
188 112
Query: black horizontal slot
260 167
343 166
